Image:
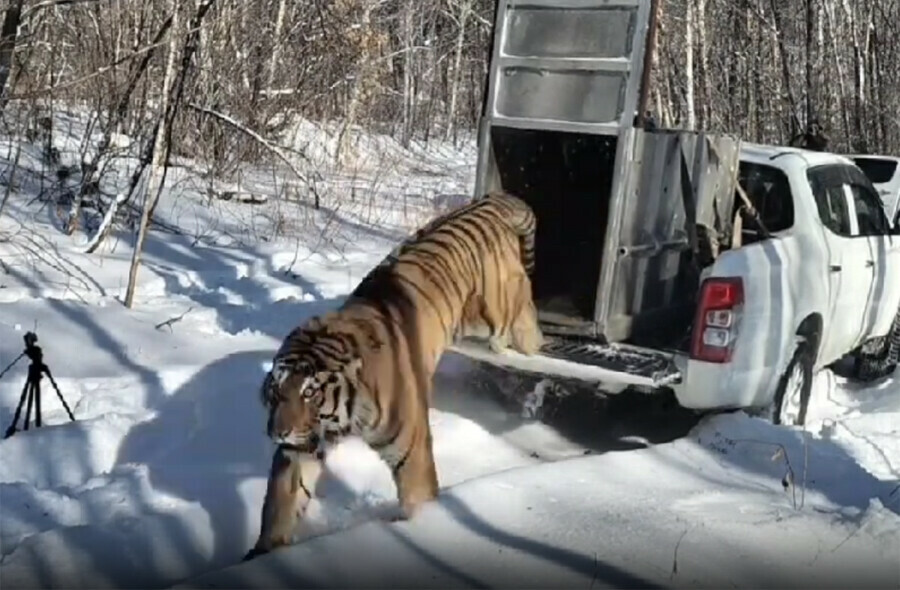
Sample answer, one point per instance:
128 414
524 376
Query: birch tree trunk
756 94
8 35
157 162
691 122
865 75
457 66
778 37
705 91
276 50
879 84
842 89
408 65
362 75
809 61
858 73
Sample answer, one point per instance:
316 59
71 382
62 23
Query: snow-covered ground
160 479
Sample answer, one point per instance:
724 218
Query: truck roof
758 152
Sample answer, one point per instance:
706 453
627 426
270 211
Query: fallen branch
240 197
168 323
106 224
256 136
143 163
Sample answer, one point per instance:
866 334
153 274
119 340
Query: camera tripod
32 390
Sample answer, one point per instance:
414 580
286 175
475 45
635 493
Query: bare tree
158 159
8 35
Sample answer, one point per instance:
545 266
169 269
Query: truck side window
770 193
869 213
827 185
834 212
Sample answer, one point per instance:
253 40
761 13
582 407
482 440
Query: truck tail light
716 322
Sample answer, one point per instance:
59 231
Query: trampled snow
160 479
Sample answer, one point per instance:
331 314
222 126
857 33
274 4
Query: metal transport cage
623 211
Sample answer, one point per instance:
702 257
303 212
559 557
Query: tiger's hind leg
527 336
292 478
496 334
477 321
472 322
495 313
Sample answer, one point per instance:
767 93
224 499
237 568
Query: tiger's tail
521 218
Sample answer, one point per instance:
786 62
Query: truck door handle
870 263
835 268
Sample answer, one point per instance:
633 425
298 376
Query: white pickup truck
675 259
824 285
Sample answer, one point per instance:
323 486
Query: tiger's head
305 401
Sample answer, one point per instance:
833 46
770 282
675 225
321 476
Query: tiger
366 368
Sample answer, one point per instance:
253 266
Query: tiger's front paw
266 546
255 552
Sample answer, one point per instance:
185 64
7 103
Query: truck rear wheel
881 362
794 388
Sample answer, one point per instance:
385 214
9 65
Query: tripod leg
12 425
29 387
10 365
59 394
37 403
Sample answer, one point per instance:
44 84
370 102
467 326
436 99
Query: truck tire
796 381
882 362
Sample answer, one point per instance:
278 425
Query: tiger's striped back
513 211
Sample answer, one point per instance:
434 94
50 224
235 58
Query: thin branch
168 323
253 134
675 554
98 72
49 4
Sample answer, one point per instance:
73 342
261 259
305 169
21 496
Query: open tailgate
590 362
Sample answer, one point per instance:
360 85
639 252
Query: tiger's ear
265 389
279 374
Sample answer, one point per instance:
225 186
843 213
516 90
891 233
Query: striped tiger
366 368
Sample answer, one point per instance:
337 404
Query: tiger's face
302 402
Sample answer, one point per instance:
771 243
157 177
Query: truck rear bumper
711 386
612 366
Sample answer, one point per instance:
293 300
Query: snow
159 480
